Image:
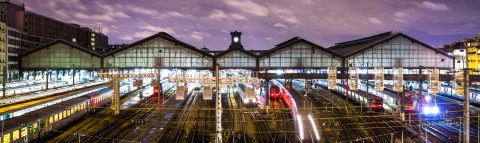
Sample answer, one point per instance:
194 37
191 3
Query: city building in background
3 45
26 30
473 54
459 51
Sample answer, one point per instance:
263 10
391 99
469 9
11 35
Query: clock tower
236 40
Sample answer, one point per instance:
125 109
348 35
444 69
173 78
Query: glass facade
236 59
400 52
300 55
60 56
153 52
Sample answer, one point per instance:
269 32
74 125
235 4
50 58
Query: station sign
434 84
110 84
354 78
207 93
379 79
155 83
398 79
332 77
180 92
138 83
249 93
458 84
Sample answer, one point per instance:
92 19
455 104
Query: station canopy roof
60 41
349 48
293 41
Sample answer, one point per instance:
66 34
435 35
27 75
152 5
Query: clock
235 39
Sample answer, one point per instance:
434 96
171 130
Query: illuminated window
6 138
24 132
51 120
15 135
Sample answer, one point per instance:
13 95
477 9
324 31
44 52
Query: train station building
294 58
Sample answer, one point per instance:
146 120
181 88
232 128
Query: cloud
143 34
285 14
405 15
248 6
141 10
126 38
94 17
280 25
374 20
432 6
220 15
156 29
155 14
199 35
269 38
62 13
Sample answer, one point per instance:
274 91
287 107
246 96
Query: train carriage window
6 138
60 116
55 118
24 132
15 135
50 120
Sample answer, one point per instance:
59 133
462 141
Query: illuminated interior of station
296 58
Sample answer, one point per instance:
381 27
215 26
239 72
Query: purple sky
268 22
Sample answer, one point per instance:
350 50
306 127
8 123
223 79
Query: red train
274 92
408 102
376 103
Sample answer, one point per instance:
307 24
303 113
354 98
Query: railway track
89 125
282 135
121 122
176 125
144 127
346 130
263 131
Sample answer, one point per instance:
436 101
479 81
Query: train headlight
431 110
428 98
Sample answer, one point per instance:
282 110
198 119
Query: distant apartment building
3 45
466 53
26 30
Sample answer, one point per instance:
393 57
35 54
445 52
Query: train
278 93
247 93
15 113
40 122
446 89
274 92
373 102
408 101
